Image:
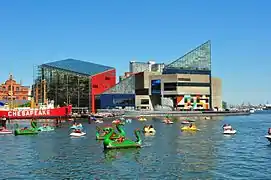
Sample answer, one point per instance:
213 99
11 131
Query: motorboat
229 131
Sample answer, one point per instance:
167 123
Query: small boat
117 121
268 137
185 122
167 121
128 120
77 133
46 128
5 131
229 131
187 128
142 119
149 129
98 121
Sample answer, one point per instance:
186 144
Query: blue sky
115 32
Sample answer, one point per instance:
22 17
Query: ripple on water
169 154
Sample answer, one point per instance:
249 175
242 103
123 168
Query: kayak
76 134
229 132
187 128
47 128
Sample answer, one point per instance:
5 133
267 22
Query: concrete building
184 84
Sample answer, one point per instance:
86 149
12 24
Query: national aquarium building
73 82
184 84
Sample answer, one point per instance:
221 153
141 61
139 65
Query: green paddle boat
26 131
101 132
122 142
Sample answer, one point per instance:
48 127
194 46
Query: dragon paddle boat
26 131
122 142
101 132
4 130
191 127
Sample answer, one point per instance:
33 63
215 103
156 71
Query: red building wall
100 83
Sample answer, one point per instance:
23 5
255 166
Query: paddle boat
268 137
26 130
99 121
45 128
148 129
122 142
167 121
4 130
76 126
227 129
191 127
185 122
101 132
77 133
142 119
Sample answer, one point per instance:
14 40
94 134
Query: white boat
76 134
167 122
268 137
228 131
252 110
5 132
99 121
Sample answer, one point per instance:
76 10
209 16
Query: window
144 101
184 79
198 100
129 101
24 98
17 88
170 86
185 100
9 88
107 78
156 86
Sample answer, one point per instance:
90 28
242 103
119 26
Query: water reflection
129 154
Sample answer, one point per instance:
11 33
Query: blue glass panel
78 66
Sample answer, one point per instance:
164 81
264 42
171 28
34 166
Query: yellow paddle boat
190 128
142 119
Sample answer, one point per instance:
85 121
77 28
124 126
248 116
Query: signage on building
29 112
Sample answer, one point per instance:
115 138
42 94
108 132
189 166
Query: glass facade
126 86
198 59
63 87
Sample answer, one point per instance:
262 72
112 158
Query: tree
224 105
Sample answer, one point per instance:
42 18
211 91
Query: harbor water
169 154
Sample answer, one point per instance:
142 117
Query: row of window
18 98
173 86
3 88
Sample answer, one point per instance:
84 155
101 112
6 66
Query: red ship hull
37 113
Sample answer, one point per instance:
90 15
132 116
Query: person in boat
191 125
4 121
269 131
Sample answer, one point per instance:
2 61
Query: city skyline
116 33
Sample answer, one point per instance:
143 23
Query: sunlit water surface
170 154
